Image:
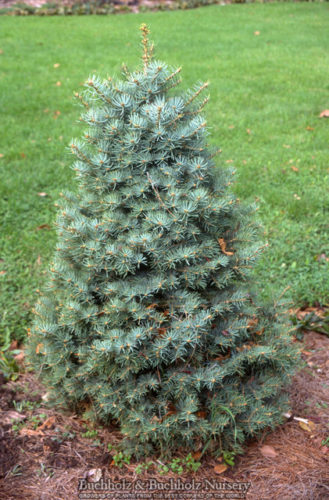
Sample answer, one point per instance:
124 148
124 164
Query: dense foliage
149 318
105 7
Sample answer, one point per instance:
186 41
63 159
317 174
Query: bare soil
43 452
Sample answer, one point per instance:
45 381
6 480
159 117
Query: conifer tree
149 317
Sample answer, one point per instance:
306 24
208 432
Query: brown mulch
43 458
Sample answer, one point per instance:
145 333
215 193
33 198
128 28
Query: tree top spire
147 46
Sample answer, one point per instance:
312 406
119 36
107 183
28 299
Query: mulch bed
42 458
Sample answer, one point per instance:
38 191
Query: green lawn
267 91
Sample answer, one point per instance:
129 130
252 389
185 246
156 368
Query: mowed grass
267 91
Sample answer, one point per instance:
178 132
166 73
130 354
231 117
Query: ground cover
44 452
